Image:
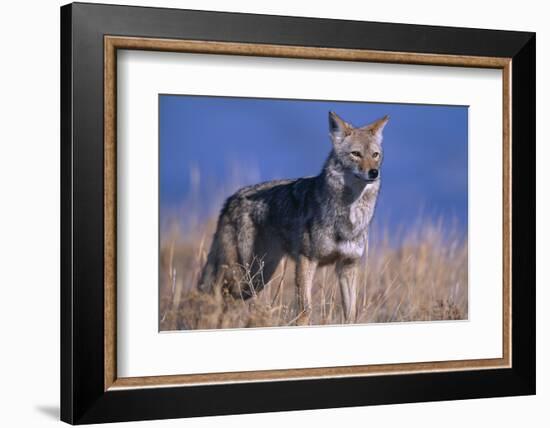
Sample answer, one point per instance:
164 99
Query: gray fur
316 221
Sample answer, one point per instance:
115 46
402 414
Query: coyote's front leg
305 270
347 273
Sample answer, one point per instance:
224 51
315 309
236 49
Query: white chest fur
353 249
362 210
360 215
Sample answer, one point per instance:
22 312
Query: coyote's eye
375 155
357 154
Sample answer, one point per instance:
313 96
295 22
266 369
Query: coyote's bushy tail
225 270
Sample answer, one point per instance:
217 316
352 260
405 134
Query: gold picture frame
114 43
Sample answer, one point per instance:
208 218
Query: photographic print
287 212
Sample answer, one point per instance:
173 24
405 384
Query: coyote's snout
315 221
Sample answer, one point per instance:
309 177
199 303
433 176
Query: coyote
314 221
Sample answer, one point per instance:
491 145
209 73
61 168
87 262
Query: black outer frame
83 399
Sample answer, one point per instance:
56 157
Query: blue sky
222 143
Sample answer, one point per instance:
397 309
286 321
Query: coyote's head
358 150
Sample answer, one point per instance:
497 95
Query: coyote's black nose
373 173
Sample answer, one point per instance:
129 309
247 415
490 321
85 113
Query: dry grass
422 276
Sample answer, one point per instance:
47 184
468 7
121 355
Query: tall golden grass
424 277
419 274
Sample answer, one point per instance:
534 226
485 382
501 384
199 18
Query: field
421 275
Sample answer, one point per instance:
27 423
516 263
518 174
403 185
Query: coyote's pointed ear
377 126
338 128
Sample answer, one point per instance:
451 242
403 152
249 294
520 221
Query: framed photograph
265 213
